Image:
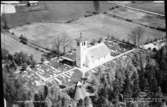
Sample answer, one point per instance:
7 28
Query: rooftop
10 2
98 50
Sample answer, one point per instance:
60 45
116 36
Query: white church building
91 56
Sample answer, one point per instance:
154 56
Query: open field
53 11
14 46
140 17
149 6
127 13
91 27
154 21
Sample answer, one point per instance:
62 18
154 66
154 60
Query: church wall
83 53
99 61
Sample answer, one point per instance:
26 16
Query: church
91 56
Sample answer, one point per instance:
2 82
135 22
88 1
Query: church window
77 43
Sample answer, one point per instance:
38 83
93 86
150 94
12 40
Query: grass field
127 13
141 17
52 11
91 27
56 11
154 21
149 6
14 46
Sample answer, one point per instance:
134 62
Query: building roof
7 9
33 1
158 1
71 56
98 51
10 2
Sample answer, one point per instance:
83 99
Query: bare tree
100 40
136 35
61 43
93 41
4 19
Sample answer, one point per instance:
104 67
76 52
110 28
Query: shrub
105 12
129 20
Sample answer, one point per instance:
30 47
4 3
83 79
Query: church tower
80 52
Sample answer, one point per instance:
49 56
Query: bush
90 89
105 12
116 6
114 16
28 23
111 8
62 86
23 39
129 20
94 12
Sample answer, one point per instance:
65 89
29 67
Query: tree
14 89
93 42
96 6
23 39
21 58
61 42
45 91
32 61
48 102
87 102
5 22
127 88
4 53
56 98
117 87
159 93
136 36
136 88
80 103
154 85
100 40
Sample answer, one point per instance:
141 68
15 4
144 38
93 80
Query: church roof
98 51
